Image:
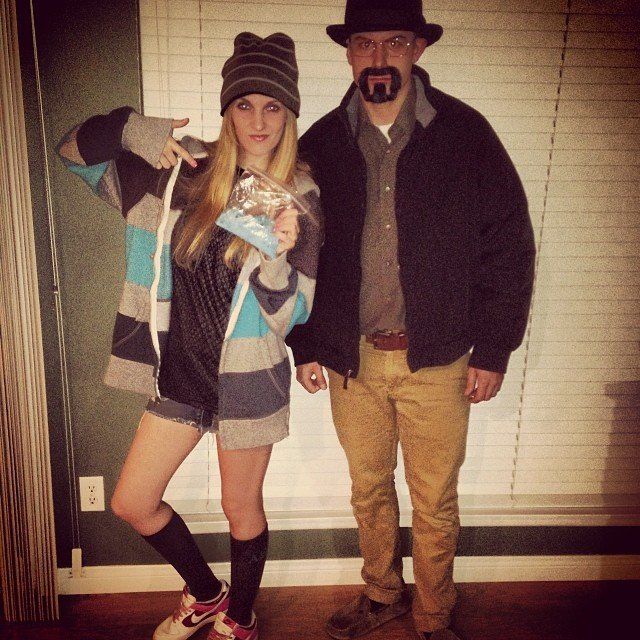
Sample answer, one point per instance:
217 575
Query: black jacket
465 241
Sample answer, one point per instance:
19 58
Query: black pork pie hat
378 15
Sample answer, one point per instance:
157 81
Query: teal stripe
91 175
300 312
250 322
140 247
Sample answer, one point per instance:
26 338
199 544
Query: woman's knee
242 510
131 510
121 507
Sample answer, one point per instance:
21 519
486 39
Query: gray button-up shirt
382 305
381 300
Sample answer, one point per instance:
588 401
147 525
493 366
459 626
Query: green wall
89 63
37 173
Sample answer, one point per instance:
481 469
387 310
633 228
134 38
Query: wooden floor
497 611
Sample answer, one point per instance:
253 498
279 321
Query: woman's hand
173 149
287 230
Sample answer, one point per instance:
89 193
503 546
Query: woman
203 315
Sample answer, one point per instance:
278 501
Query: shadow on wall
621 475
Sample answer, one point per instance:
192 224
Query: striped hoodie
116 154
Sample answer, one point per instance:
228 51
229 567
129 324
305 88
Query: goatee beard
379 94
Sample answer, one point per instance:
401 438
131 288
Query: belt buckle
379 337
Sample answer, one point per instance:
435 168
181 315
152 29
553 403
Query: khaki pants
428 414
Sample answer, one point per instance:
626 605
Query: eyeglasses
394 47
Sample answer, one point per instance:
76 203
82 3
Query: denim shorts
204 420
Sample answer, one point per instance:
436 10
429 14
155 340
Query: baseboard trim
285 521
475 511
343 571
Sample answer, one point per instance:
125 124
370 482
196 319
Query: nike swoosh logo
193 620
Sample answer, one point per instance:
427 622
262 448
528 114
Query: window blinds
559 80
27 528
580 432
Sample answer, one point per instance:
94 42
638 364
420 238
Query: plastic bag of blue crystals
255 202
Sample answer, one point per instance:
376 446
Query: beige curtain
27 551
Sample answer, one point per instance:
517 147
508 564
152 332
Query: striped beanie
267 66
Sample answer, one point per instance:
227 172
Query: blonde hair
209 195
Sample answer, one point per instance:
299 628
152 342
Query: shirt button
387 226
387 189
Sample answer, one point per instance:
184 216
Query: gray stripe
257 66
254 395
272 301
235 59
134 301
109 186
243 434
243 355
251 80
130 376
246 38
144 214
68 148
146 136
279 322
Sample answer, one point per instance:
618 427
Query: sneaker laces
185 607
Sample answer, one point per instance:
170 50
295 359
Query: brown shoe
357 618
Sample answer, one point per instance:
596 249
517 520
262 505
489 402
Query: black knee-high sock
177 546
247 564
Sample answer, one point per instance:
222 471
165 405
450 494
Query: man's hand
173 149
482 385
311 377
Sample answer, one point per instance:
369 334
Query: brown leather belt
388 340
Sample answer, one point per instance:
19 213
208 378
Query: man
423 291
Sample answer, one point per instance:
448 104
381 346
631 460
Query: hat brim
339 33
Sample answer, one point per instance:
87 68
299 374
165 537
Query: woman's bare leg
242 472
158 449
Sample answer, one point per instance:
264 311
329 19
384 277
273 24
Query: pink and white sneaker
224 628
191 615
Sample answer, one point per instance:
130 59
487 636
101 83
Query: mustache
379 93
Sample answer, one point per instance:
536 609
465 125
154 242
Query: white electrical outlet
91 493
